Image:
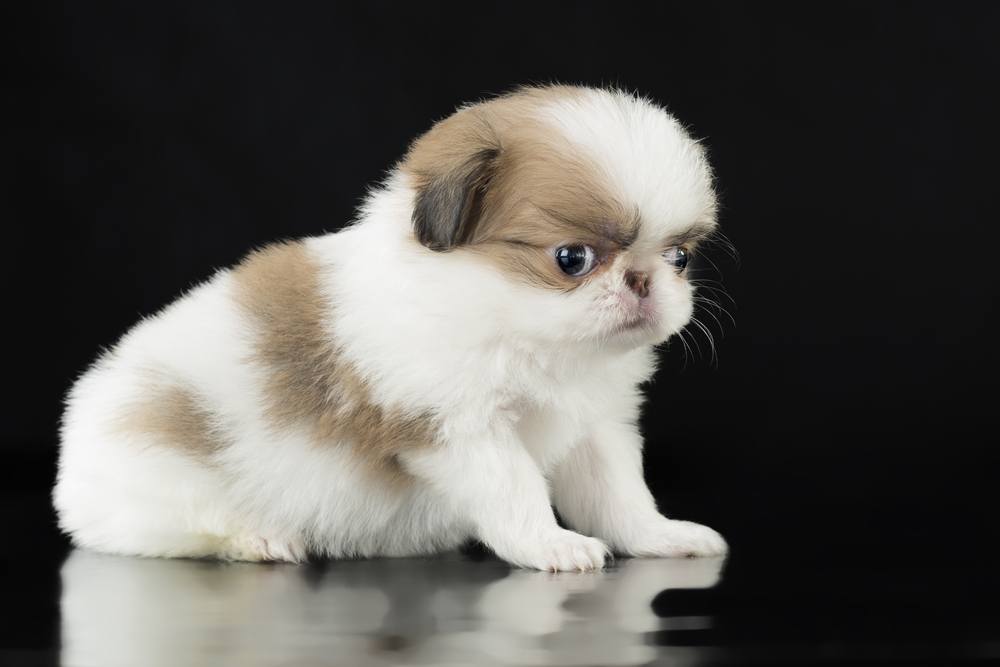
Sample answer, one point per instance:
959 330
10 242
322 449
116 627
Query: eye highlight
677 257
576 260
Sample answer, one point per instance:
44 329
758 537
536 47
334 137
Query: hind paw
256 549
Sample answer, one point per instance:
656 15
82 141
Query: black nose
638 282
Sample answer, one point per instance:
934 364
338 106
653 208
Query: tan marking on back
175 417
307 382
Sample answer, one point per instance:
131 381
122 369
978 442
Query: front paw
677 539
560 551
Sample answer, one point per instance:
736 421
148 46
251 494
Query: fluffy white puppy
465 355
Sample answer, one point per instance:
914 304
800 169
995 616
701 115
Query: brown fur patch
528 189
175 417
307 381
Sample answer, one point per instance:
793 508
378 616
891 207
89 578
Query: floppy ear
451 167
449 201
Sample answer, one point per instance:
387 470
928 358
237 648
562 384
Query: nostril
638 282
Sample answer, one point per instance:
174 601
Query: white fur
530 385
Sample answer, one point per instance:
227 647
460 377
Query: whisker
716 293
714 305
713 358
710 261
694 340
709 312
719 239
687 348
708 283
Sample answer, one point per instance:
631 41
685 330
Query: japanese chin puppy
465 355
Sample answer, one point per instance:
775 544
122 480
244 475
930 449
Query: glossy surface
786 595
470 609
450 610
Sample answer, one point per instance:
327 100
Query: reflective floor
447 611
761 606
460 610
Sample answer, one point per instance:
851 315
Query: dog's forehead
643 154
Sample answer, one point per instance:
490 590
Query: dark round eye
576 260
677 257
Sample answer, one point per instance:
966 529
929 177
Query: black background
850 415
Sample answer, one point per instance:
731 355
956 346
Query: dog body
466 354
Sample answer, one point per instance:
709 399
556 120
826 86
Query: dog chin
646 326
637 332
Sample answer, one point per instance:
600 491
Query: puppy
463 356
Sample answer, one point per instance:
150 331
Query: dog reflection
128 612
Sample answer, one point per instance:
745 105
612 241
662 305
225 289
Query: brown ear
449 203
452 166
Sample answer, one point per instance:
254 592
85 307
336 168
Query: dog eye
677 257
576 260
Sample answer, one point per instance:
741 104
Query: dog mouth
633 316
634 322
